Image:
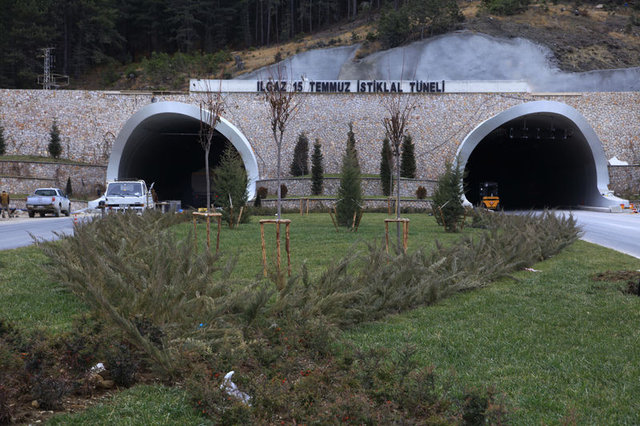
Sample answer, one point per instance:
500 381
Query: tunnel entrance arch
541 154
160 144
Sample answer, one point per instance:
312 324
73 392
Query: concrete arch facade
176 111
599 194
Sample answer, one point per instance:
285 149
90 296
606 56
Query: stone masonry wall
23 177
370 186
89 123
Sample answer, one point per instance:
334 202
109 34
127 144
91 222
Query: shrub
447 199
230 186
283 190
350 191
257 202
408 159
55 149
316 169
68 187
421 193
122 365
3 143
49 391
263 192
394 28
505 7
351 143
386 168
300 162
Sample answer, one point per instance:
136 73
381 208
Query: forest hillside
159 44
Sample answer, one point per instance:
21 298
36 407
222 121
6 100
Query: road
619 231
15 232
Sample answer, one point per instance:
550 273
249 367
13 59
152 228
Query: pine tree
386 171
350 192
69 188
55 149
447 199
300 162
3 144
316 169
408 159
230 185
351 143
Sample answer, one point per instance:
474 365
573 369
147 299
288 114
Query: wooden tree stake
218 216
405 232
287 223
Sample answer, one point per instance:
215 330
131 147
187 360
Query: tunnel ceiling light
552 132
511 133
525 130
538 133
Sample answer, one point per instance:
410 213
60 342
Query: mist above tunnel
541 154
160 143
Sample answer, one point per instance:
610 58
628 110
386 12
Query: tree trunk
398 224
279 143
206 169
268 22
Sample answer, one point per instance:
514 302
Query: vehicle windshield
129 189
45 192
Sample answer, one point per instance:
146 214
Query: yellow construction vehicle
489 198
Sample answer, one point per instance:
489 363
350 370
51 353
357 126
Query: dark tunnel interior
166 149
537 160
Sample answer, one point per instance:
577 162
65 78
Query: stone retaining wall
23 177
89 122
370 186
625 179
324 204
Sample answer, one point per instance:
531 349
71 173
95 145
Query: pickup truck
128 195
48 200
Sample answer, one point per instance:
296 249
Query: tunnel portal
537 160
541 154
168 152
161 144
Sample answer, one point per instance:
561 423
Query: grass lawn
557 344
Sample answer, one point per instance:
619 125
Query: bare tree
398 110
282 105
211 109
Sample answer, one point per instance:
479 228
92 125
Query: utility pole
48 60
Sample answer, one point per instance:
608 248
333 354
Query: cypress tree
316 169
350 192
386 171
69 189
408 159
55 149
447 199
230 180
300 162
3 144
351 143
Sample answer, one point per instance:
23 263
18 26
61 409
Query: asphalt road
619 231
15 232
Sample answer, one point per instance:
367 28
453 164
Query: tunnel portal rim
605 197
225 127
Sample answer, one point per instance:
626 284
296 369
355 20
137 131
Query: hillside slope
585 39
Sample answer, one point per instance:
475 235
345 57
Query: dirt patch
630 278
584 40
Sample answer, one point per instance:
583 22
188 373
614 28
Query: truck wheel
41 214
68 212
32 213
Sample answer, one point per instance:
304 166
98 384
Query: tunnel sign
357 86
